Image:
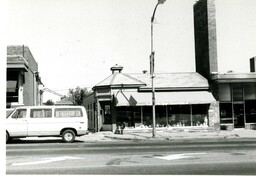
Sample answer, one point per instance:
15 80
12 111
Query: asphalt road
132 157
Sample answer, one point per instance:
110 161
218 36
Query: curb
133 137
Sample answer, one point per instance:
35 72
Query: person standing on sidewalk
122 127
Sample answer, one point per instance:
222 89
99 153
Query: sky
76 42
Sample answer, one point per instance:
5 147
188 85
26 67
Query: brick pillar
213 113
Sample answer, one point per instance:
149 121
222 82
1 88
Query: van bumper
82 132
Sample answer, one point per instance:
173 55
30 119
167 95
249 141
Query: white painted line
55 159
179 156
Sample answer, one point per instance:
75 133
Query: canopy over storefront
163 98
17 62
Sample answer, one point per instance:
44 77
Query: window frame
68 110
42 110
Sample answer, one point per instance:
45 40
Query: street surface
131 157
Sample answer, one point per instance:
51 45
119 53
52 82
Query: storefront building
236 94
182 100
235 91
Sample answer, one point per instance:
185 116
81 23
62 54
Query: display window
237 92
166 116
180 115
250 111
161 117
226 113
200 115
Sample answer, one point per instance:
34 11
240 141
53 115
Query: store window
130 115
250 111
200 115
161 117
226 113
179 115
147 116
123 114
250 91
237 92
136 110
224 92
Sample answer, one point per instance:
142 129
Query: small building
65 102
236 95
23 80
182 100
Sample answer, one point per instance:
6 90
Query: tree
49 102
77 95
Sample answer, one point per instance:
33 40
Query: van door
40 122
16 124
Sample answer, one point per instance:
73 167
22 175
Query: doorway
238 115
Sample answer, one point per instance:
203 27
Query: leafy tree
77 95
49 102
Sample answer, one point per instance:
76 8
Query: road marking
179 156
49 160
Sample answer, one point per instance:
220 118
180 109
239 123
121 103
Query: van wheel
68 136
7 136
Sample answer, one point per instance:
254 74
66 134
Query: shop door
106 112
239 115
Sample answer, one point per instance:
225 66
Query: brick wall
213 113
212 36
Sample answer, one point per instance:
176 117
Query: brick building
235 92
23 78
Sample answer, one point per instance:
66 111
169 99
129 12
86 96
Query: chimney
116 69
253 64
205 37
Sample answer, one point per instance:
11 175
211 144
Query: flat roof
234 77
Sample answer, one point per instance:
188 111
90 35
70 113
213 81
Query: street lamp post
152 67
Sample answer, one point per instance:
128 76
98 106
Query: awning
17 62
163 98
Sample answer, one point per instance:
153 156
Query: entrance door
239 115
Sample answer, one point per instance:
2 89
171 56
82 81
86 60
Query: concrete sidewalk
171 134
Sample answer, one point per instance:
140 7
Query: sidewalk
171 134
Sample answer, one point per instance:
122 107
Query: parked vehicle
47 121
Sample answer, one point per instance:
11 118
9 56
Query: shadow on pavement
38 141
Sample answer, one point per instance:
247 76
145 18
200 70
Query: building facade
23 78
235 92
236 95
182 100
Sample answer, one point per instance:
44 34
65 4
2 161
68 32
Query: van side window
68 112
20 113
41 113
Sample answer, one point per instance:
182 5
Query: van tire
68 136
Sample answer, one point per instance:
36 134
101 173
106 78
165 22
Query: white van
43 121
